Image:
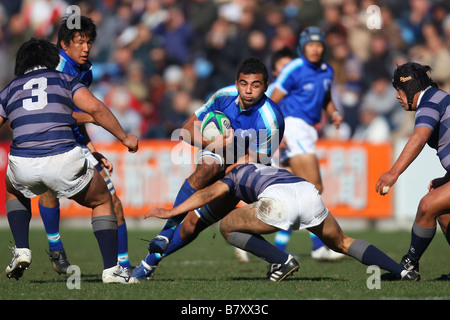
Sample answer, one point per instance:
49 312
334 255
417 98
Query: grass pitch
207 270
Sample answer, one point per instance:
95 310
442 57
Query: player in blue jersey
277 199
257 128
75 45
303 92
417 92
44 155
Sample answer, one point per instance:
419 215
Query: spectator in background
373 127
125 108
381 97
176 36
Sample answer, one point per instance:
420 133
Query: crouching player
277 200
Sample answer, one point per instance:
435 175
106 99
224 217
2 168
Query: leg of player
186 232
183 234
18 209
307 166
104 225
241 228
431 207
123 257
331 233
203 174
444 222
50 214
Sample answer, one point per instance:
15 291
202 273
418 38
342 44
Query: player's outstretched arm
202 197
86 102
410 152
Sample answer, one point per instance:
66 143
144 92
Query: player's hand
131 142
103 162
337 119
385 182
158 213
220 144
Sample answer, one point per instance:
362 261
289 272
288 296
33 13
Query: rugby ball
214 124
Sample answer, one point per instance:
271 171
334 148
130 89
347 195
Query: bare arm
277 95
83 117
410 152
333 113
191 133
86 102
202 197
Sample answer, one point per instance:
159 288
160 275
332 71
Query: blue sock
316 242
19 216
175 244
282 238
185 192
50 218
123 245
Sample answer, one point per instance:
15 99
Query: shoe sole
58 270
18 271
295 269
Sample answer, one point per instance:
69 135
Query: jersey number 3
38 98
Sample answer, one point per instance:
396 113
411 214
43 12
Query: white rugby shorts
297 205
64 174
300 138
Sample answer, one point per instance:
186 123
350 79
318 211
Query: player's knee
224 230
425 210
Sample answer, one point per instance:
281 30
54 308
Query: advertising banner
152 177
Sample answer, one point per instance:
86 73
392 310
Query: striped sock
50 219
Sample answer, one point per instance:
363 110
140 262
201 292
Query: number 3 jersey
39 108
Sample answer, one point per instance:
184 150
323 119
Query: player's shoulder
293 65
226 92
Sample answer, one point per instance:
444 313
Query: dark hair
412 77
253 65
282 53
34 53
66 33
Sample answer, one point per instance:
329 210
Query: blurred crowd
156 61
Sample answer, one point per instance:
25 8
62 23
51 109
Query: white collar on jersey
421 95
35 68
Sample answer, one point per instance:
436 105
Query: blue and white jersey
433 113
259 128
248 181
84 72
305 85
39 108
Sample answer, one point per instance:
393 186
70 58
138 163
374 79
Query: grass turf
207 270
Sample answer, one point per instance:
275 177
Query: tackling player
277 200
258 127
75 46
417 92
45 156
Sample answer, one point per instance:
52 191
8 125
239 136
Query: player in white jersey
38 103
276 200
